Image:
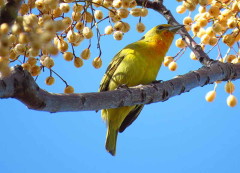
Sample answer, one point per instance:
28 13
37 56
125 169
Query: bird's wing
104 85
132 116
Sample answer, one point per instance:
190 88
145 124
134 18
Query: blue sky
184 134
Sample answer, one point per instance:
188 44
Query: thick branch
21 85
159 7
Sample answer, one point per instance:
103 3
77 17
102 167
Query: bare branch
21 85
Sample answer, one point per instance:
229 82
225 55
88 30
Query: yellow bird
137 63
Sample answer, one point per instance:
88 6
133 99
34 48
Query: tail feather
111 141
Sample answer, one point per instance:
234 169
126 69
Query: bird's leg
155 82
124 86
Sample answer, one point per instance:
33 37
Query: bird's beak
175 28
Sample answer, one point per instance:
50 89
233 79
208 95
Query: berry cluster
45 28
216 23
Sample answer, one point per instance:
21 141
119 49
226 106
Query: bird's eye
160 27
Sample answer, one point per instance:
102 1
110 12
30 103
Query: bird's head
162 31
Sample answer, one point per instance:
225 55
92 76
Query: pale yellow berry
136 12
107 3
85 54
236 61
118 35
33 52
203 2
20 49
227 13
180 43
97 62
67 21
193 56
117 3
68 90
87 17
49 80
230 58
205 39
232 22
231 100
13 55
195 28
97 3
76 16
122 12
209 31
108 30
228 39
64 7
26 66
144 12
87 32
57 12
133 4
23 38
48 62
202 22
35 70
167 60
214 11
46 37
216 3
32 61
187 20
24 9
140 27
4 28
77 7
4 67
181 9
79 26
210 96
213 41
191 6
217 28
201 32
118 26
68 56
187 27
40 4
112 12
78 62
172 66
126 27
229 87
202 9
235 7
71 36
116 18
98 14
125 3
12 39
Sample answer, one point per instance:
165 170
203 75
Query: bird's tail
111 140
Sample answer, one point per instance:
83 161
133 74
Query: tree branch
21 85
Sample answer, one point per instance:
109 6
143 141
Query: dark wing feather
131 117
110 71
